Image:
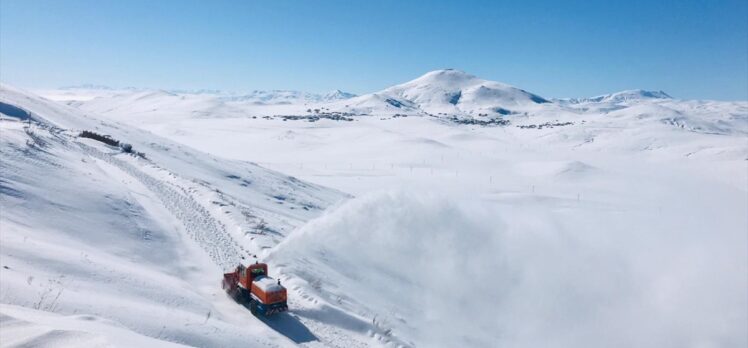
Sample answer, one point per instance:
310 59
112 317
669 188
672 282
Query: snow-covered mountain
445 91
630 95
336 95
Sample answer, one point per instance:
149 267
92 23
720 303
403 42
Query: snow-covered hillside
102 246
608 221
446 91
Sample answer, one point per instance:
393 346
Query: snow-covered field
414 216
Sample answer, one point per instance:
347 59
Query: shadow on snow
289 326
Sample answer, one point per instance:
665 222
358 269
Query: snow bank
445 271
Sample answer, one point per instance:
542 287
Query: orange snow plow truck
252 286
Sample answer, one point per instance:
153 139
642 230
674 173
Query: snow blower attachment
251 286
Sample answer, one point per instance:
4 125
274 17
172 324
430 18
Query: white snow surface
140 242
613 221
267 284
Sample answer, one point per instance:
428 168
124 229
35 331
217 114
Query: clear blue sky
690 49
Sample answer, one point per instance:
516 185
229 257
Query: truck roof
267 284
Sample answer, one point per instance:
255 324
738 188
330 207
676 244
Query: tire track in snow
209 233
212 236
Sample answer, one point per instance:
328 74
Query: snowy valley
447 211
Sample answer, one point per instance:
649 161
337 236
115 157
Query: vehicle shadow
289 326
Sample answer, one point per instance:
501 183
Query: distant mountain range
618 97
270 97
448 94
447 91
288 97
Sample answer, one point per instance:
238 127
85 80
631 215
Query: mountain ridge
446 91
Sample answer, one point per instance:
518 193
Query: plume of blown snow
443 271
